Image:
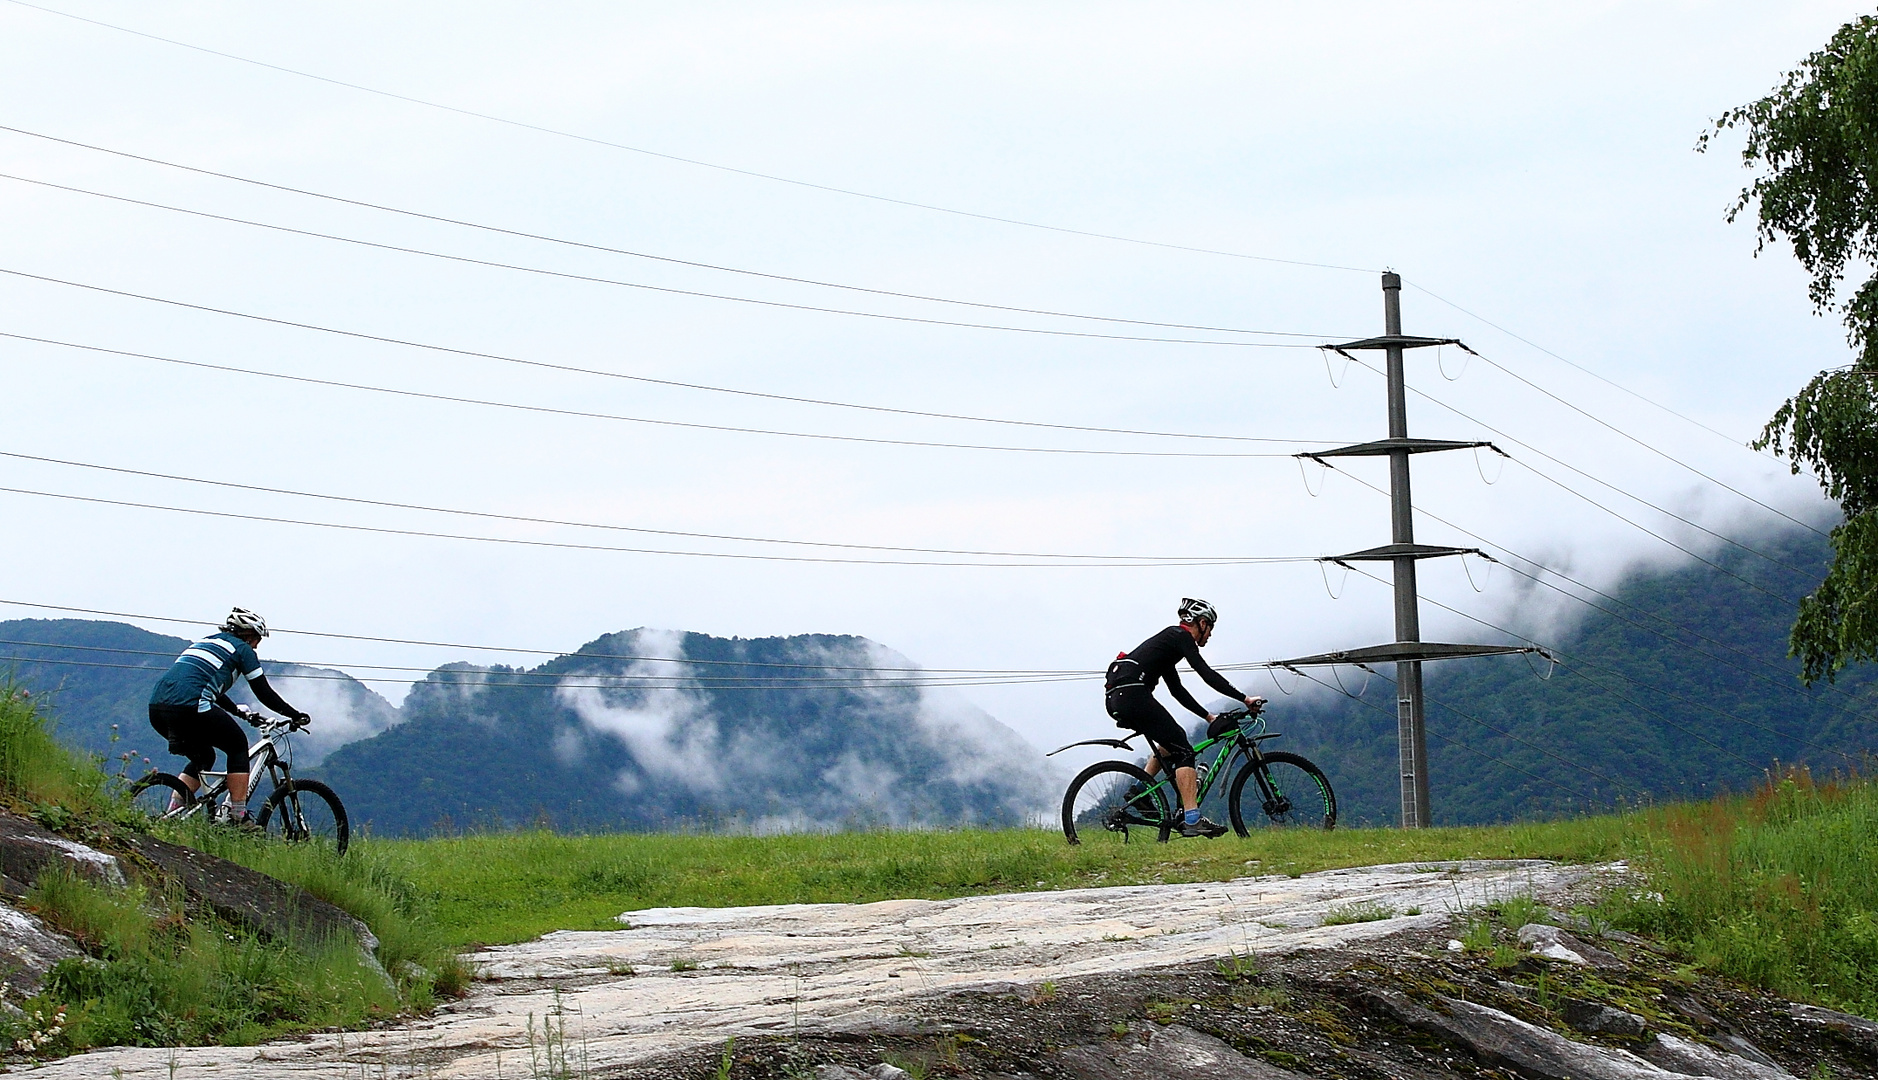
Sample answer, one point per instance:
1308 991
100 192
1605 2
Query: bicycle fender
1116 743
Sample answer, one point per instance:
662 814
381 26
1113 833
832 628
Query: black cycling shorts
1134 706
198 735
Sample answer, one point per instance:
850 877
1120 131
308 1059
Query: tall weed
35 770
1778 888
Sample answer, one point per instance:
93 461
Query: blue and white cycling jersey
205 671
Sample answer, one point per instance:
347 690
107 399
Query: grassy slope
173 975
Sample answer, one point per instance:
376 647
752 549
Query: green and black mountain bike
1112 800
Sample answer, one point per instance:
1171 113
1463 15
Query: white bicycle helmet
1194 611
243 621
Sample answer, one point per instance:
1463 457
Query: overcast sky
1531 164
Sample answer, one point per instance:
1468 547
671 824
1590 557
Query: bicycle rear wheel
1294 795
1112 800
151 796
302 811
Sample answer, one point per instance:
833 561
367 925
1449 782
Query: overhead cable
1732 440
645 658
1548 571
592 415
684 160
583 245
573 685
523 678
1202 559
1666 456
724 296
384 531
1772 731
1430 398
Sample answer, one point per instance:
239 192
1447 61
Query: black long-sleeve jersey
1158 656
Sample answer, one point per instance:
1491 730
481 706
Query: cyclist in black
1130 700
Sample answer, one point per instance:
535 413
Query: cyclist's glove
252 718
301 720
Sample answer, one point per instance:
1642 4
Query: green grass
37 773
1359 912
508 887
160 979
1778 889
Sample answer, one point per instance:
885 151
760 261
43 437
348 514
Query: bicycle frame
263 756
1243 741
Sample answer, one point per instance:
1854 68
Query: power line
1425 396
1455 742
592 415
1547 570
671 685
713 296
1601 422
682 160
380 530
1570 363
523 678
1202 560
522 234
1772 731
545 652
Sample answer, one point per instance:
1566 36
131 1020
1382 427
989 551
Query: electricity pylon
1408 651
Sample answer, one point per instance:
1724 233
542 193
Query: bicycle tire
1090 795
1301 789
150 796
303 810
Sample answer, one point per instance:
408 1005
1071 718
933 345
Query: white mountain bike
297 811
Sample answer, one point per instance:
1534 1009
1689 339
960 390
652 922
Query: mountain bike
1112 799
295 811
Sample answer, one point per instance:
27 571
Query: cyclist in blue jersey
190 706
1129 695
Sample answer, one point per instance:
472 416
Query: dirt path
690 977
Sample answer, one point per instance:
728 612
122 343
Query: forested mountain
765 734
1676 686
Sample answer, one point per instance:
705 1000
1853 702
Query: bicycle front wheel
1111 801
1281 791
300 811
152 797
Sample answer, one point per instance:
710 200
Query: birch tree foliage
1814 143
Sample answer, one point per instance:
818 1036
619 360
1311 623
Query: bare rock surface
1684 1056
29 948
1854 1029
1595 1019
679 978
1553 943
1173 1052
27 851
1506 1041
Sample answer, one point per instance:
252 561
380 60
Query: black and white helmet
243 621
1197 611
